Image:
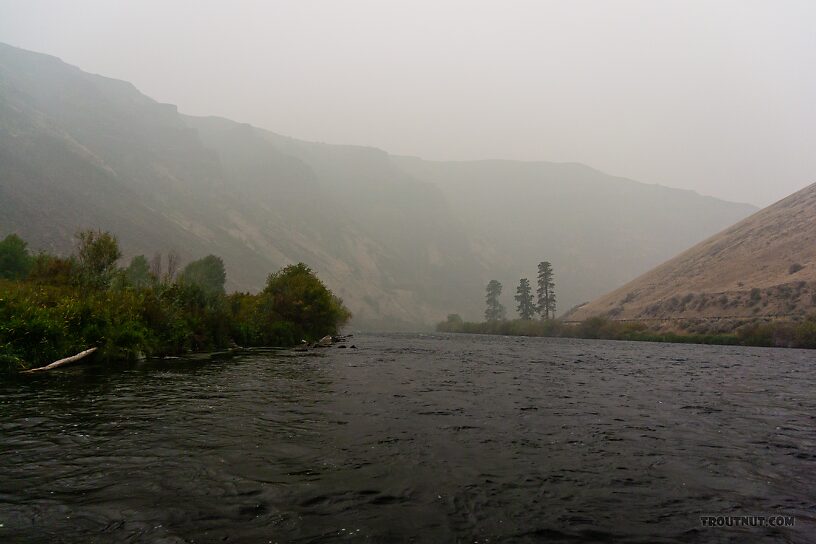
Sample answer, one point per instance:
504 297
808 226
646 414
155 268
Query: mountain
596 229
402 240
763 266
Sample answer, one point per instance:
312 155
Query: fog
714 97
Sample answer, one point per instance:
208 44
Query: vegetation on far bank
52 307
757 332
789 334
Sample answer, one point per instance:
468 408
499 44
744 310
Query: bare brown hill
764 266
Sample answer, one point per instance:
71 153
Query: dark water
416 439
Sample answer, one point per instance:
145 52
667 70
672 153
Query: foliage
524 297
52 270
57 311
97 253
794 334
138 273
207 273
15 260
453 323
546 290
494 310
296 296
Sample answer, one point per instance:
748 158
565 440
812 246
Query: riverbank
56 307
42 323
788 334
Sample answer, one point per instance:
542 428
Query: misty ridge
402 240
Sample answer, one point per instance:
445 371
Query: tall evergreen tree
524 297
546 290
494 311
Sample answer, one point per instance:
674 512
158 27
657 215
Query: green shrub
15 260
63 308
296 296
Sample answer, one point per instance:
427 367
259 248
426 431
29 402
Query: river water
412 438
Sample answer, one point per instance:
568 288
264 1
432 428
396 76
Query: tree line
796 333
52 306
527 307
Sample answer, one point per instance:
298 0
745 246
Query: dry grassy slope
751 269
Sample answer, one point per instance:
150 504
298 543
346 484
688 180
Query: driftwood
65 361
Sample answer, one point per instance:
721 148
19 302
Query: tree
454 323
494 311
138 272
524 297
15 260
546 290
296 296
53 270
97 253
156 265
173 260
207 273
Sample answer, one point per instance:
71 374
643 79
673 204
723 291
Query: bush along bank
780 333
52 307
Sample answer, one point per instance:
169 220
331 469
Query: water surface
411 438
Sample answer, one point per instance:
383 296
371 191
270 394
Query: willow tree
97 252
546 290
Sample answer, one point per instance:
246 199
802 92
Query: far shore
761 333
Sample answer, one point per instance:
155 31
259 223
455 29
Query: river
415 438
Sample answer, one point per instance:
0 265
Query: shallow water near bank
415 438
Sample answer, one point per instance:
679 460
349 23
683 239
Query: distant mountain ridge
764 266
402 240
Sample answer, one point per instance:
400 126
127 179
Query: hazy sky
715 96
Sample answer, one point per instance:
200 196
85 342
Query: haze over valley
714 97
407 271
402 240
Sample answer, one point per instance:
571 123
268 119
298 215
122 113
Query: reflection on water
415 439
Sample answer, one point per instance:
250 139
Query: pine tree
524 297
494 311
546 290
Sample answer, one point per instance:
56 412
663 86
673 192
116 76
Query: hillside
763 266
596 229
80 150
402 240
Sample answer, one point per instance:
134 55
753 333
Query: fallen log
61 362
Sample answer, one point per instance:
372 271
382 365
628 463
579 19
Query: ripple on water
415 438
